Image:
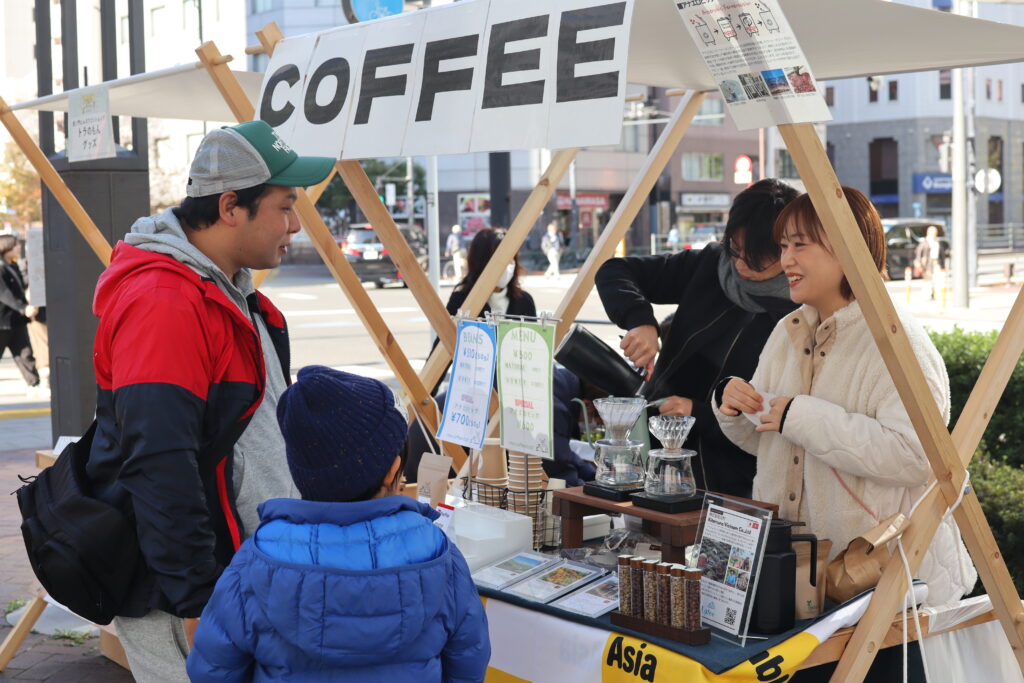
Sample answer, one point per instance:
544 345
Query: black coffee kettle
775 603
590 358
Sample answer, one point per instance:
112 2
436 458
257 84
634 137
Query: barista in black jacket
729 296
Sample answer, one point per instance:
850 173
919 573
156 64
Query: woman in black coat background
729 295
15 311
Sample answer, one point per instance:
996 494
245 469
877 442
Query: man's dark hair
753 214
197 213
7 243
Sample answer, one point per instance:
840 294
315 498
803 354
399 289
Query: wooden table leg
572 523
16 637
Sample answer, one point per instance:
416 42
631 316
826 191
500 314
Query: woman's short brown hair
802 214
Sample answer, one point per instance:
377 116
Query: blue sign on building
368 10
933 183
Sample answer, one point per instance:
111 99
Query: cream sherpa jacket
848 455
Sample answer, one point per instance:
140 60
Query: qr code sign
730 616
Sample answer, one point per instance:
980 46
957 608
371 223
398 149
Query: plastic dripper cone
619 415
671 430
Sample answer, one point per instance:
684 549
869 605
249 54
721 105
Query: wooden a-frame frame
948 453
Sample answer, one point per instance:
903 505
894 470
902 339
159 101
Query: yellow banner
631 659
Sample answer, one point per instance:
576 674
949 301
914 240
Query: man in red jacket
190 360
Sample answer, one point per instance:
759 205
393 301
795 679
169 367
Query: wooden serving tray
679 635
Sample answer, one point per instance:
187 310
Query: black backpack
83 551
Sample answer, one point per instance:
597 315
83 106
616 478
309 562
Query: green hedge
997 472
965 354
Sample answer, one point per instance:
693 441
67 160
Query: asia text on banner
755 58
525 358
469 391
90 131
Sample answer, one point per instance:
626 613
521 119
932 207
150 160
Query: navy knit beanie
342 432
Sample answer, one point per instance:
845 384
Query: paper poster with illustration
474 212
469 390
525 357
730 544
755 58
90 131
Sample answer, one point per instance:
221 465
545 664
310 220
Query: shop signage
701 200
90 131
467 77
753 55
933 183
525 355
584 200
469 393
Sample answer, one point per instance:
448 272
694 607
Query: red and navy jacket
180 372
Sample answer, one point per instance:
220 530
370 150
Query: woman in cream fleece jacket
837 449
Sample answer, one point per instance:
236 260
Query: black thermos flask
775 602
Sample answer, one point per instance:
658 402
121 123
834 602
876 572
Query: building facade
887 135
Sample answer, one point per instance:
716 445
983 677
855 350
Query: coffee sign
473 76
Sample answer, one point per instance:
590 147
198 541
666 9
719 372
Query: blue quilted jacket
368 591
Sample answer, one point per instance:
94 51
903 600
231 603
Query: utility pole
958 159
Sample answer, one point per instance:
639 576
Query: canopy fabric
841 38
185 91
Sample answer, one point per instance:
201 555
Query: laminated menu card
555 581
593 600
512 569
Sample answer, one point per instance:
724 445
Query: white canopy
841 38
185 91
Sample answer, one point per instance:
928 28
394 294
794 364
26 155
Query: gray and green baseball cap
246 155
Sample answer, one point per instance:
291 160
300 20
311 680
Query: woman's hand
740 397
772 420
676 405
640 345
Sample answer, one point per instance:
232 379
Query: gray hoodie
260 466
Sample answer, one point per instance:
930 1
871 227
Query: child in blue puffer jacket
353 582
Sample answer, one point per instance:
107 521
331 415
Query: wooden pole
503 255
827 196
61 192
363 191
627 211
340 268
17 636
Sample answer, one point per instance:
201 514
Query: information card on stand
90 130
754 56
731 544
469 391
525 357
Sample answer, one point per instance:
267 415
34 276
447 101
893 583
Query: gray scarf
748 294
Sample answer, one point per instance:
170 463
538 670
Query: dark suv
368 257
902 235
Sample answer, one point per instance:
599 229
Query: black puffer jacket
710 338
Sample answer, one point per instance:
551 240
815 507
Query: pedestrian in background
673 239
15 313
455 249
551 245
930 259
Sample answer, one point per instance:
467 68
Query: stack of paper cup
490 474
525 472
526 489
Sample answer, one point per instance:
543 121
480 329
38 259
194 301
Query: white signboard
754 57
525 357
469 391
475 76
90 131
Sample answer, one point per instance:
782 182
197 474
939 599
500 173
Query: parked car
366 253
702 235
902 235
